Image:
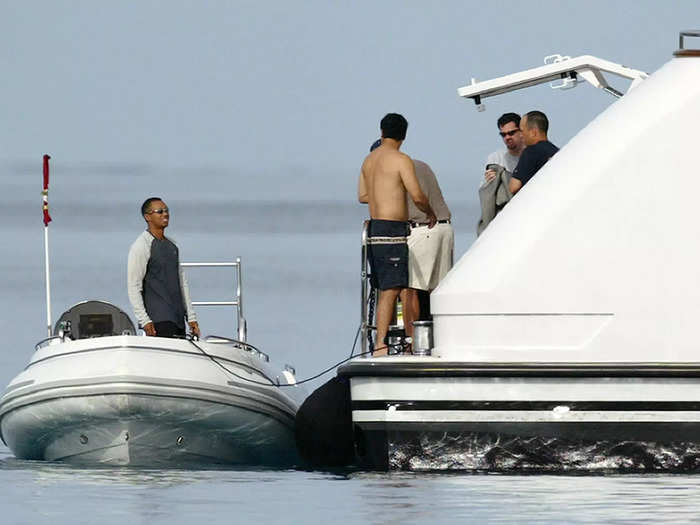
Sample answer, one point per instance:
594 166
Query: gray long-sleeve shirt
156 282
429 184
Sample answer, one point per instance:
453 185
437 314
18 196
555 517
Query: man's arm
514 185
136 271
362 193
521 172
410 181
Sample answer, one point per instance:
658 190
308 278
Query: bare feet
380 351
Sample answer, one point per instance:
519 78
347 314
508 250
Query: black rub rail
390 368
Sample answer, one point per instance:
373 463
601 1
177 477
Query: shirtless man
386 176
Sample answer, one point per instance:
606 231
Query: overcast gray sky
289 94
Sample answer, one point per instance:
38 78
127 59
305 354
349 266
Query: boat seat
94 319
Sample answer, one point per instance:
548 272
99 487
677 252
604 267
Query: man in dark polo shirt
534 126
156 283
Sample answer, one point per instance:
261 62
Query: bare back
387 174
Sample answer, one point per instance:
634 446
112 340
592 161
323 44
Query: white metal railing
238 303
557 68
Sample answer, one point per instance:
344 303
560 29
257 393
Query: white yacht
572 318
97 393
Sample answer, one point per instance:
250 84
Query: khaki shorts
430 255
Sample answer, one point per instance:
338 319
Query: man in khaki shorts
430 250
387 176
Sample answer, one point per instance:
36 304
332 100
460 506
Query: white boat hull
425 404
128 429
129 400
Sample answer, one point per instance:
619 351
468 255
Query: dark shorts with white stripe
388 253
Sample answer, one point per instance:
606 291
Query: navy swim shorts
388 253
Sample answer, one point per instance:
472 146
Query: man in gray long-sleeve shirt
430 250
156 283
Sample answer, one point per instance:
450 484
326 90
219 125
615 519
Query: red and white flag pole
47 220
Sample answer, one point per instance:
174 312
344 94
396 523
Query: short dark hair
393 126
537 119
508 117
147 204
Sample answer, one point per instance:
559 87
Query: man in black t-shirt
534 126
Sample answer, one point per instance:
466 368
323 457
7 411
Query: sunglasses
160 211
508 133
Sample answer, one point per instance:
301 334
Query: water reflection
508 498
60 472
221 494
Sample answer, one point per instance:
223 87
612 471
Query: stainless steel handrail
238 303
365 293
46 341
363 290
218 339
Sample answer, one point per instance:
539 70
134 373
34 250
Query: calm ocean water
301 279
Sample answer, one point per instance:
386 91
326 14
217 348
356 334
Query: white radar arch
569 72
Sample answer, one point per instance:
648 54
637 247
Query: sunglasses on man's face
160 211
508 133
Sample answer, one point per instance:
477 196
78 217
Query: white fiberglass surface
604 229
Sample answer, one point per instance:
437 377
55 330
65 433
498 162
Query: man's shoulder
395 162
551 147
423 170
383 156
398 155
533 158
543 147
503 158
422 166
144 236
143 241
534 155
528 152
496 157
